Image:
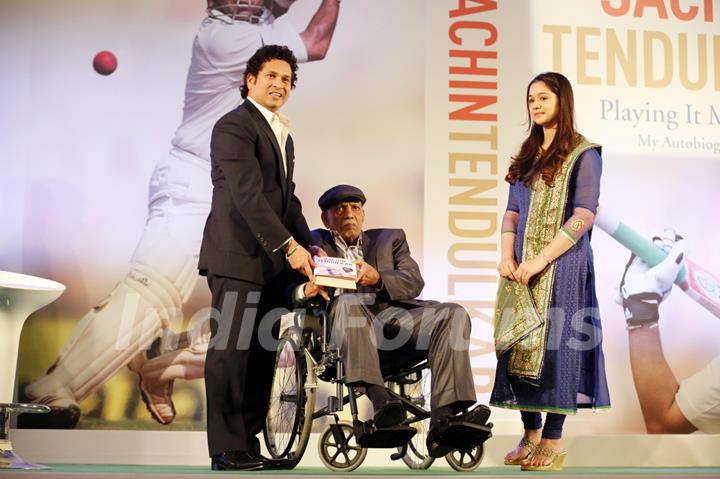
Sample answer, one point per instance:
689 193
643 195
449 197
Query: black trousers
240 360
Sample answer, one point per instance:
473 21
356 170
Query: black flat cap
338 194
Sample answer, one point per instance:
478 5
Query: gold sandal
527 444
557 459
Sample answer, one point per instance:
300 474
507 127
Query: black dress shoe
434 445
57 418
238 461
390 414
448 433
248 461
477 415
283 463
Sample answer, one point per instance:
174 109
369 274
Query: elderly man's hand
311 290
367 275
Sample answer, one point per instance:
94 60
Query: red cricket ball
105 62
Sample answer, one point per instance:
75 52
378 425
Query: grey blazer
388 252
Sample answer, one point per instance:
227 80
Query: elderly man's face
346 218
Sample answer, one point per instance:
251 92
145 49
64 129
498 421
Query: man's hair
265 54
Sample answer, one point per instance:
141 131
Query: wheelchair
304 357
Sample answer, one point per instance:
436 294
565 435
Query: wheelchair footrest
370 436
460 434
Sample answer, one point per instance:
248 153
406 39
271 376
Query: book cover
335 272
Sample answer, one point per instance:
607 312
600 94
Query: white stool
20 296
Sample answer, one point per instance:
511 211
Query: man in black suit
254 233
383 326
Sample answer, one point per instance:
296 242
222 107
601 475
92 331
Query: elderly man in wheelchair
379 341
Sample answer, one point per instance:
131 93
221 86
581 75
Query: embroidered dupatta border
545 216
515 315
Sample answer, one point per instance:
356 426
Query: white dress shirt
280 125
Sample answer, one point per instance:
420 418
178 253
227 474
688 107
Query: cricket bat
698 283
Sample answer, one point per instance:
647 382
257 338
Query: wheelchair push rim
283 431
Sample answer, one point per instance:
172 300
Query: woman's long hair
529 162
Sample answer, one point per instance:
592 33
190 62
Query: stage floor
67 471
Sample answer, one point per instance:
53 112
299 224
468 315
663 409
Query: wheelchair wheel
466 460
416 455
289 418
338 456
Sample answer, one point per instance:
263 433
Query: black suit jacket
388 252
254 207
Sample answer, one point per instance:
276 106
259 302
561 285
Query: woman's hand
508 267
528 269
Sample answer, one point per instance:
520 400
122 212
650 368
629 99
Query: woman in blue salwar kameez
548 336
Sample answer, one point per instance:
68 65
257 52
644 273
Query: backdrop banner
421 103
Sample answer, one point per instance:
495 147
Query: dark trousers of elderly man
376 338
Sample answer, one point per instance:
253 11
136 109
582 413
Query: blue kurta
573 372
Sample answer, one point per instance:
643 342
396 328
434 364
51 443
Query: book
335 272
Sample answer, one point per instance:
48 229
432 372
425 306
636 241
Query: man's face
346 218
271 87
